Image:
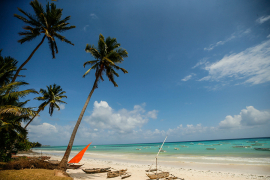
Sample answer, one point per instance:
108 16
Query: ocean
233 151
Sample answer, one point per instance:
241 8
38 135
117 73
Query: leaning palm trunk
32 118
25 62
63 163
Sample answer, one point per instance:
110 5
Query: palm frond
108 60
38 8
28 38
51 45
11 86
115 73
62 38
32 20
89 62
19 94
62 29
93 67
63 20
15 110
122 69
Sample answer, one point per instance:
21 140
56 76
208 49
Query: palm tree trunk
32 119
63 163
20 68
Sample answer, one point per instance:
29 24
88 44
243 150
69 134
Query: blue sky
197 70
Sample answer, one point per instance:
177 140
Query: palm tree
8 90
51 96
107 55
47 22
7 69
12 113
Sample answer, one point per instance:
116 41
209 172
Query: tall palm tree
47 22
51 96
107 55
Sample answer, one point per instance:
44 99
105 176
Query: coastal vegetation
14 112
107 55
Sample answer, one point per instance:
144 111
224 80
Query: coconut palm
52 96
12 113
44 21
9 94
107 55
7 69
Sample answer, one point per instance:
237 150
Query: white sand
187 171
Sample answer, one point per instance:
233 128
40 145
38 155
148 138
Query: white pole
158 153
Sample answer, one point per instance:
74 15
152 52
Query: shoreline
186 170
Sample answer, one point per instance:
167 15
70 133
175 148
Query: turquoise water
193 151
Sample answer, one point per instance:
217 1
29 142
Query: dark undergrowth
28 163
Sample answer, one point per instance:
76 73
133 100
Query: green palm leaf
107 55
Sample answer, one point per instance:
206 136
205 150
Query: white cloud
46 133
123 121
188 77
201 62
263 19
212 46
252 116
152 114
247 117
248 121
62 106
93 16
268 36
85 28
233 36
230 122
252 64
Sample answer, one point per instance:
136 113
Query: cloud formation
212 46
247 117
123 121
253 64
46 133
123 126
188 77
233 36
62 106
85 28
263 19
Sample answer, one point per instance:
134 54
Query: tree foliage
108 54
12 111
52 97
45 21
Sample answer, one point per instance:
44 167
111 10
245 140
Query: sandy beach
187 171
